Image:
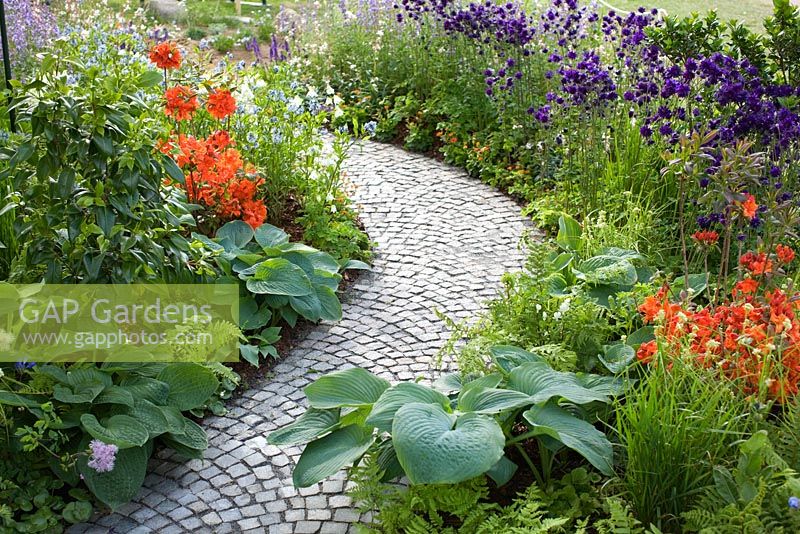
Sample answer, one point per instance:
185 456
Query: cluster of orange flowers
753 337
215 175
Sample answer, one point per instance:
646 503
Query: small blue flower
20 366
794 503
252 137
370 128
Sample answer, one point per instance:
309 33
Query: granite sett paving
443 242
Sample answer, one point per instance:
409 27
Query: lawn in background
751 12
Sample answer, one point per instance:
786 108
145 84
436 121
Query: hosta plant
280 280
458 428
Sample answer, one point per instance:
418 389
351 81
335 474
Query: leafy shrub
89 202
223 43
456 430
53 412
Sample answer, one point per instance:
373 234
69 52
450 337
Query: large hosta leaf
330 307
435 447
607 270
190 384
398 396
120 430
491 400
577 434
236 233
278 276
542 383
326 456
349 387
121 484
311 425
507 357
269 236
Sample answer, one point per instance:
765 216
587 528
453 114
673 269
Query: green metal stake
12 119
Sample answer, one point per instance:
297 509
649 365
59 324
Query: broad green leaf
278 276
577 434
328 455
643 335
348 387
193 436
251 316
491 400
310 426
149 78
541 382
569 233
557 285
152 417
249 353
561 261
388 463
697 284
607 270
396 397
355 265
86 393
308 306
604 385
190 384
10 398
147 388
329 303
115 395
435 447
617 357
120 485
120 430
454 382
502 471
269 236
507 357
238 233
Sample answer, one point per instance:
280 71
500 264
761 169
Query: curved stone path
443 241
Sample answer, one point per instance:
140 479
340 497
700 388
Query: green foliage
456 430
223 43
61 408
674 429
752 498
89 202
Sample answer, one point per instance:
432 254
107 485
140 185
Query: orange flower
647 351
747 286
707 237
221 103
181 102
749 207
166 56
756 263
785 254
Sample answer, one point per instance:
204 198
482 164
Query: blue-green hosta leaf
697 283
507 357
328 455
491 400
120 430
251 316
604 385
191 435
115 395
453 382
643 335
609 270
388 463
269 236
557 285
84 394
277 276
322 261
237 233
348 387
621 253
120 485
542 383
561 261
153 418
151 389
355 265
617 357
309 306
577 434
398 396
435 447
502 471
329 304
190 384
11 398
311 425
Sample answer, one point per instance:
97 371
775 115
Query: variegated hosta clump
455 430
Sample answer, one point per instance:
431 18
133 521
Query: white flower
6 340
564 307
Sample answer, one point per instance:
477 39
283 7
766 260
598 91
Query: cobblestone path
443 241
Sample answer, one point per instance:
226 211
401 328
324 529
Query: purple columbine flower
103 456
